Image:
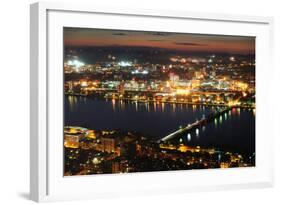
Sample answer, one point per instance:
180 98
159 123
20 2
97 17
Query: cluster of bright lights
168 84
75 63
233 103
174 59
241 85
84 83
182 91
124 64
96 160
144 72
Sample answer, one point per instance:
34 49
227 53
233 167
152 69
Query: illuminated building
121 88
108 144
182 91
72 136
134 85
91 134
195 83
184 83
174 78
71 141
184 148
198 75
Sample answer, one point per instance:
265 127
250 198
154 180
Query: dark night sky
173 41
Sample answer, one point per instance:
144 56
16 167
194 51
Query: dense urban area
224 81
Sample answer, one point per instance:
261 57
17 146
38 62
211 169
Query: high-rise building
108 144
174 78
134 84
121 88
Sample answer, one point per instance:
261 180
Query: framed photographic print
127 102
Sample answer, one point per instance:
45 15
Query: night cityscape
139 101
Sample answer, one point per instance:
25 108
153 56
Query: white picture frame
46 178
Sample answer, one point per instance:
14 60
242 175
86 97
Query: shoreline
159 101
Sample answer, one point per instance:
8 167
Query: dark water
234 131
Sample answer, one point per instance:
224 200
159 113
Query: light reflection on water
72 102
149 106
218 123
188 137
161 119
113 104
120 105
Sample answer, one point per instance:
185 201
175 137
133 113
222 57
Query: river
234 131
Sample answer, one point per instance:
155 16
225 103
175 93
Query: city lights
124 63
96 161
144 72
157 106
84 83
180 91
75 63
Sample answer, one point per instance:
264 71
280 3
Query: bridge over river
197 124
